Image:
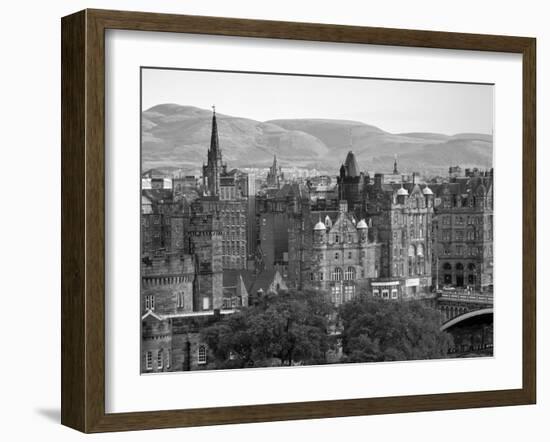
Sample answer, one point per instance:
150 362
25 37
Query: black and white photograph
294 220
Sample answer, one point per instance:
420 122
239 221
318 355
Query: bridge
455 303
468 316
465 316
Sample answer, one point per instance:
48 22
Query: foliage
376 330
281 329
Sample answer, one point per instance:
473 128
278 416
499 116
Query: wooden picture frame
83 220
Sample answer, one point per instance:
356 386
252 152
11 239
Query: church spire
215 151
395 171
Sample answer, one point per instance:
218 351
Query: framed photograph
267 220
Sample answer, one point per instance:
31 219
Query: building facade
463 231
343 260
401 216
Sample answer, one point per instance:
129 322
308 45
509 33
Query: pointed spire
395 171
215 151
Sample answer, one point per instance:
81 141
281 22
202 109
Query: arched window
459 266
336 274
412 251
202 354
420 250
447 266
350 274
471 267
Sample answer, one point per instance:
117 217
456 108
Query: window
159 359
149 360
336 292
202 354
336 255
336 239
205 303
349 292
376 293
180 299
349 275
385 294
150 302
321 276
336 274
350 255
394 294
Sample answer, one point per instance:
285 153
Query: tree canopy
376 330
280 329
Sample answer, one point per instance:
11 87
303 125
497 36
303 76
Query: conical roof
362 224
352 168
427 191
320 226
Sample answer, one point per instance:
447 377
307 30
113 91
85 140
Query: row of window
412 219
385 293
350 255
463 250
160 359
449 202
459 266
164 358
338 238
338 296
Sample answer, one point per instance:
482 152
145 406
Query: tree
281 329
377 330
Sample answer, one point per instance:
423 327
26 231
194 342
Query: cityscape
287 266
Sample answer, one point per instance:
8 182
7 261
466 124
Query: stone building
226 198
401 216
342 257
463 230
167 284
205 244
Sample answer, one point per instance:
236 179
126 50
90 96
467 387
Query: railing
465 296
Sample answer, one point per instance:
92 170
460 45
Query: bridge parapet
465 296
453 303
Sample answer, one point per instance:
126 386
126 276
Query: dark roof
252 281
352 168
262 281
291 190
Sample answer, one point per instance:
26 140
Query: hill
179 136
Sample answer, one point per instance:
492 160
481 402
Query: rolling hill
179 136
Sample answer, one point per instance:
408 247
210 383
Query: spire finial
214 109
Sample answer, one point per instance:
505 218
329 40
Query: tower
275 175
205 239
212 170
351 183
395 171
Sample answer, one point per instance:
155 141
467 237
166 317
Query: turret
429 195
319 232
362 228
402 194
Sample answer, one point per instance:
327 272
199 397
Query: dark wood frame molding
83 217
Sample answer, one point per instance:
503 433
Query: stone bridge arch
463 317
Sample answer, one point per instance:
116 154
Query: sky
396 106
